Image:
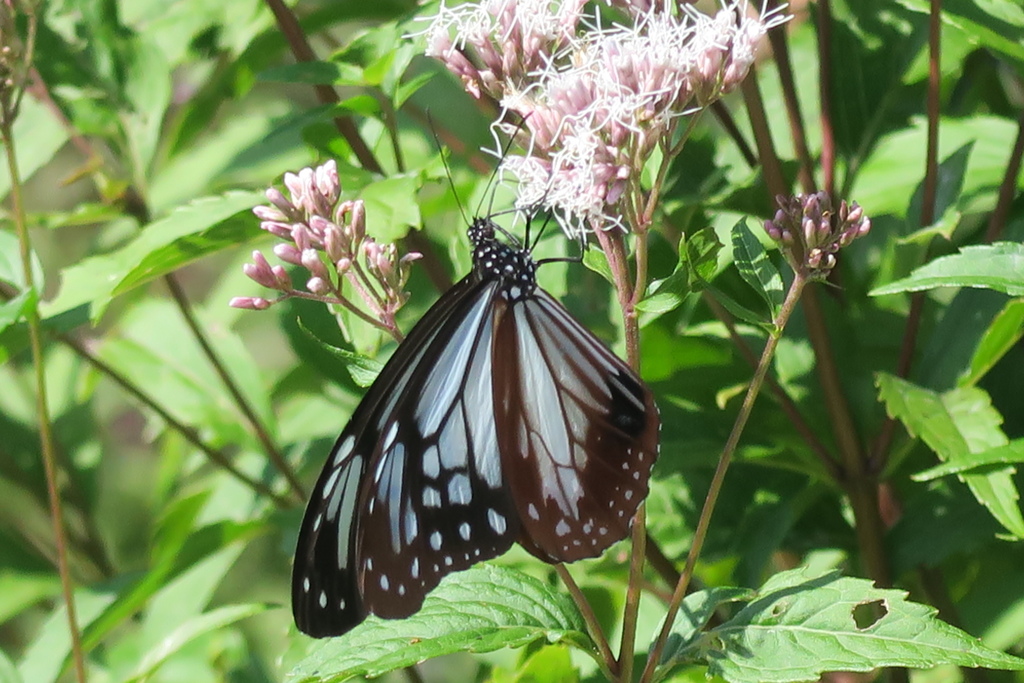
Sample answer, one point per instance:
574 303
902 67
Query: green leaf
755 268
695 612
46 656
700 253
198 229
14 310
1011 453
314 73
596 260
40 133
190 630
800 626
363 369
479 610
10 262
998 266
999 338
956 424
18 591
992 23
8 672
391 207
409 88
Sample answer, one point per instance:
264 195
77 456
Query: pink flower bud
280 202
284 281
311 261
317 285
288 253
253 303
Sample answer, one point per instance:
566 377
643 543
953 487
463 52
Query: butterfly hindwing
579 431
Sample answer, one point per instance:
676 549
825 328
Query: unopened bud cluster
810 233
596 103
327 238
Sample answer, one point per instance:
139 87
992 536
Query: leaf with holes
799 626
479 610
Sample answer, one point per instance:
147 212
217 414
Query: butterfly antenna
447 170
501 159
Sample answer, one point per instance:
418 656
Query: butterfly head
510 265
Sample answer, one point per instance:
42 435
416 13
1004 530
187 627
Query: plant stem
42 409
607 661
240 400
699 535
216 455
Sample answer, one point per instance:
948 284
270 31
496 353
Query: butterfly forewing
327 595
578 431
325 598
437 502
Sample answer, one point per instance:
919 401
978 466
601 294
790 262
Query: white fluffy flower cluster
597 102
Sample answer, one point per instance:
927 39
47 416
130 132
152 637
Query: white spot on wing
459 491
497 521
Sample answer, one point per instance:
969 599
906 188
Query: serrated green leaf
998 266
479 610
700 252
1011 453
739 310
157 249
956 424
695 612
363 369
756 270
1002 335
801 626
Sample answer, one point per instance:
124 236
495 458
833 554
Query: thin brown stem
275 455
1007 188
627 645
215 455
703 523
785 402
828 138
46 442
721 113
607 660
771 167
780 50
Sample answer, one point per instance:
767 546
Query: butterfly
499 419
